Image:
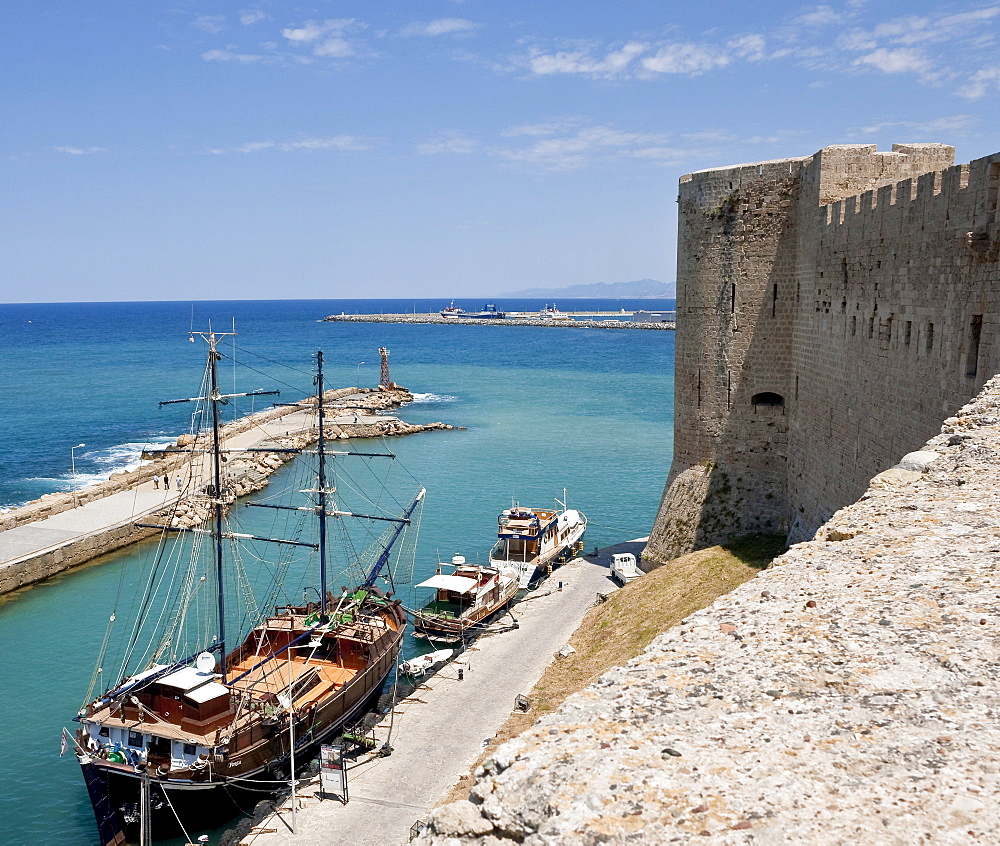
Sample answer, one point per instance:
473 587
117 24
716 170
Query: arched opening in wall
767 400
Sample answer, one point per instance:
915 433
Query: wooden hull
465 626
245 775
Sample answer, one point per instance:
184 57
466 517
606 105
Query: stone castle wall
832 310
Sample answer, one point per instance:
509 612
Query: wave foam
100 464
429 399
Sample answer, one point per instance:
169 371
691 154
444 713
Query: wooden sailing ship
178 745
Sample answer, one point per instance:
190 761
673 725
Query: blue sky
231 150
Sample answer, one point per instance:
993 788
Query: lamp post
72 462
359 373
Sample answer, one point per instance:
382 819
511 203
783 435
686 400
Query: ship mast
321 448
216 493
217 503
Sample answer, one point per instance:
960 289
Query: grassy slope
622 627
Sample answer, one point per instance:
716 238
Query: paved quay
440 731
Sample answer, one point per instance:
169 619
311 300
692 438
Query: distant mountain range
637 290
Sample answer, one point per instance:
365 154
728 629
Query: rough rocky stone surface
848 694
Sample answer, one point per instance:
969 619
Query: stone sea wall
55 503
847 694
244 475
520 321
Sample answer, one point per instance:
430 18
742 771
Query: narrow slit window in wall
930 337
907 331
699 387
732 299
774 299
729 389
854 325
871 327
972 358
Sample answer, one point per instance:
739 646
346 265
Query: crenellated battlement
859 292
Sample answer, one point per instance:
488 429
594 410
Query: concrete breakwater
846 694
61 531
521 321
165 463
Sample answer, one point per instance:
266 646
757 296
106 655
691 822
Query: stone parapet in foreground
849 693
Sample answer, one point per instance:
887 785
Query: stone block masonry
847 694
832 310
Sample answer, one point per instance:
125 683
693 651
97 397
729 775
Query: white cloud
80 151
326 38
614 63
251 16
552 127
820 16
950 126
750 47
686 58
938 46
442 26
900 60
982 82
587 145
451 142
229 54
346 143
209 23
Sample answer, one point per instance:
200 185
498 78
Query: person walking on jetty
178 485
166 482
156 482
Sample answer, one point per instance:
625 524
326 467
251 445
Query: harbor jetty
440 731
568 320
63 530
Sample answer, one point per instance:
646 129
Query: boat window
103 732
189 749
159 745
135 738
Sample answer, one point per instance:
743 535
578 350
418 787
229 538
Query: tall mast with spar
321 448
215 398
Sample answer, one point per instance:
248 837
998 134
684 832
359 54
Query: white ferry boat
534 540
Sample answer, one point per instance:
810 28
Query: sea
579 415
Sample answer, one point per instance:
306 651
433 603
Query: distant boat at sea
489 312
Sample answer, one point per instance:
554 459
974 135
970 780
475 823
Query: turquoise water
543 409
